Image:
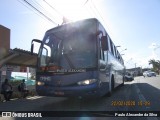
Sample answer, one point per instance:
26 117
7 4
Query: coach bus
78 59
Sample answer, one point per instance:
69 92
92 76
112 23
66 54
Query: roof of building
19 57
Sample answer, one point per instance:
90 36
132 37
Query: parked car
128 77
149 74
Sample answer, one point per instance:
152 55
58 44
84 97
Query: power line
64 18
46 11
97 11
100 15
30 8
39 12
53 8
39 5
86 2
93 10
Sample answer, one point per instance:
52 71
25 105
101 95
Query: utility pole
135 70
27 72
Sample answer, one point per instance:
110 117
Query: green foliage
155 64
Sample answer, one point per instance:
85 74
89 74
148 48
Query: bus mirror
36 40
32 47
32 44
104 43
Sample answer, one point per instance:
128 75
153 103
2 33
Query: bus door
103 63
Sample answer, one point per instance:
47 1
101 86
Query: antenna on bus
65 20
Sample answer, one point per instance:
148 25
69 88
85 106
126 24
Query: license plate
59 93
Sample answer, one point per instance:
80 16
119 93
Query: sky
132 24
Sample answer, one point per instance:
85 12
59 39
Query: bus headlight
40 83
87 82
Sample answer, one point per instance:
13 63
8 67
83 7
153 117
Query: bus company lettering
76 70
70 70
61 70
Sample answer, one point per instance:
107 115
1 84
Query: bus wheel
112 87
123 81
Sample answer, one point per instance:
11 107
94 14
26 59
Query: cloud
138 60
153 46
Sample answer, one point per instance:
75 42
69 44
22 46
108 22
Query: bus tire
123 81
112 87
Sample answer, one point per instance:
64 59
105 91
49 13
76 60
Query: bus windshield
69 49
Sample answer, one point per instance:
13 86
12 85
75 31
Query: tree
155 64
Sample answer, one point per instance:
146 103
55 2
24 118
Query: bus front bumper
69 91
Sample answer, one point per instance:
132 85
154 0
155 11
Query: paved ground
144 92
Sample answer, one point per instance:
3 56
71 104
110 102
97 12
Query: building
13 60
4 47
4 41
135 71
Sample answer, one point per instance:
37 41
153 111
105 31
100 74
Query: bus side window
101 51
104 47
118 56
115 51
111 45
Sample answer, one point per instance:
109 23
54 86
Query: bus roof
89 19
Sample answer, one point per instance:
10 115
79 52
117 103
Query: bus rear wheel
123 81
112 87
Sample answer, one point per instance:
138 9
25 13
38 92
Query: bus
78 59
